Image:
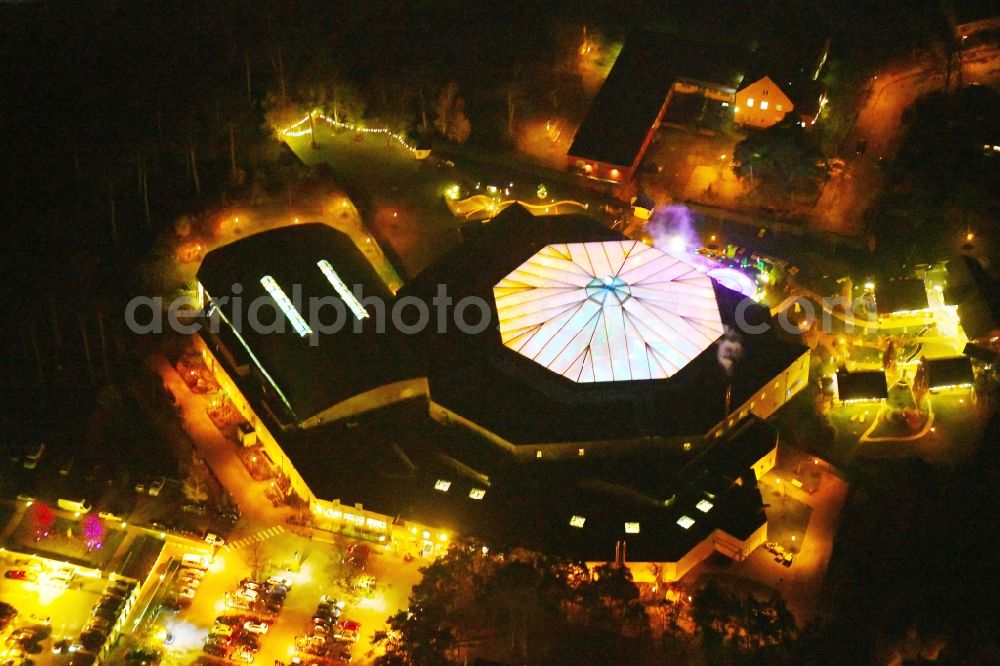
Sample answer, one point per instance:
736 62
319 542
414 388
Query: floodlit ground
595 59
311 560
714 184
55 611
804 523
547 141
683 165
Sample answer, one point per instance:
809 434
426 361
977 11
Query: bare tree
194 488
256 559
450 119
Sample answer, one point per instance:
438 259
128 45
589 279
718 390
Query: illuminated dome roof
607 311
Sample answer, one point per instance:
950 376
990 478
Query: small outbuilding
943 374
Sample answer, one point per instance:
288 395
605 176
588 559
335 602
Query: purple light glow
735 280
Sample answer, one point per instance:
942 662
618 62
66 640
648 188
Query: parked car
22 637
214 540
93 639
170 606
278 580
83 658
114 606
237 603
223 630
76 506
67 466
229 515
32 457
60 579
143 656
244 656
193 583
215 649
250 642
193 561
197 508
99 623
256 627
156 485
66 645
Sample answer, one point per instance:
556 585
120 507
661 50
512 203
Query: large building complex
586 394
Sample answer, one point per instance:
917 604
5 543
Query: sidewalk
219 453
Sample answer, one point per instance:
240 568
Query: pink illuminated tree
93 531
41 519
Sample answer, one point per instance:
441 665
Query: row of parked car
329 636
103 617
229 638
188 580
260 597
253 606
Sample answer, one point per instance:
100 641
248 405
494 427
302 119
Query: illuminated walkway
219 453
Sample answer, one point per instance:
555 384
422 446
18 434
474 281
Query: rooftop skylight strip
342 290
281 298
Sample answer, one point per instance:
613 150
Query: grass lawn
60 546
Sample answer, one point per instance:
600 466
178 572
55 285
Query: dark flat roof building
523 402
861 386
901 296
600 391
532 503
623 117
946 373
300 374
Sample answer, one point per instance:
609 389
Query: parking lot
62 614
272 600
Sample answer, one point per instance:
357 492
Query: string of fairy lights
294 130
